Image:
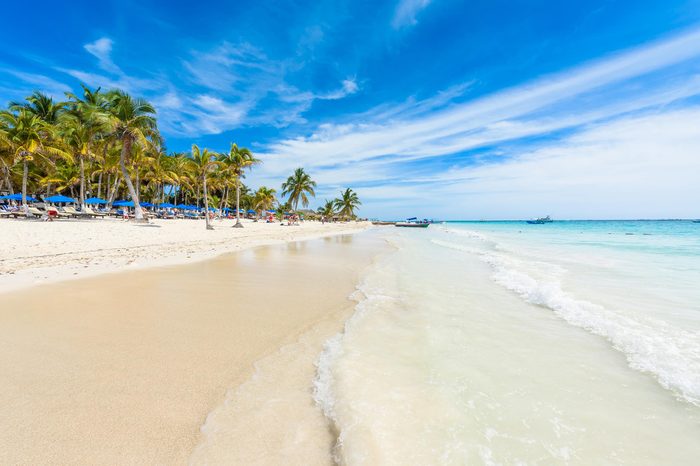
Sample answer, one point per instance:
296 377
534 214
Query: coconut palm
40 105
204 162
297 187
237 161
131 122
80 129
327 209
264 199
347 203
27 136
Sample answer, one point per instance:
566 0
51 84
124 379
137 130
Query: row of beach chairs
64 212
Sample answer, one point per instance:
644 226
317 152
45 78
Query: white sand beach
34 252
158 365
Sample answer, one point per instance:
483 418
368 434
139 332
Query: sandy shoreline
34 253
126 368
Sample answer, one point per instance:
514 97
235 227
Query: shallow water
508 343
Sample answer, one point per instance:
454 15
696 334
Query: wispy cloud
245 76
102 49
33 81
406 12
583 97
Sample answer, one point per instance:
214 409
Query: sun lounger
72 212
90 212
59 214
33 211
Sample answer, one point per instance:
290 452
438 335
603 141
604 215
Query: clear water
509 343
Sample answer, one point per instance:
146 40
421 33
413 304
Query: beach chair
70 211
57 213
90 212
35 212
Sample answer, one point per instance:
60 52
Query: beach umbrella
17 197
123 204
270 211
166 205
251 211
59 198
95 200
146 204
181 206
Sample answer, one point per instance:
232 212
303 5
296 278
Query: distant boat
696 221
413 223
540 221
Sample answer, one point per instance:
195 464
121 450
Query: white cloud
34 81
102 49
244 76
406 11
388 144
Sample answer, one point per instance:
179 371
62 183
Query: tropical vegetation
106 144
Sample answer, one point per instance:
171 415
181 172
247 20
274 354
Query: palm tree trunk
126 150
8 180
99 185
25 176
206 202
238 203
82 183
113 191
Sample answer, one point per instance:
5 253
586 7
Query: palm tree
204 161
264 199
236 161
347 203
297 186
28 136
40 105
80 129
132 122
327 210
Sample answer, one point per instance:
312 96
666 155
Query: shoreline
140 383
53 254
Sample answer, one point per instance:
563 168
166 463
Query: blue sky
439 108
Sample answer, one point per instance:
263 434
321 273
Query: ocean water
508 343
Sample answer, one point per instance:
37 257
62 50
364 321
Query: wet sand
126 368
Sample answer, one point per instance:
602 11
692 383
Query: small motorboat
540 221
413 223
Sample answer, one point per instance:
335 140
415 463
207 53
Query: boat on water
413 222
696 221
540 221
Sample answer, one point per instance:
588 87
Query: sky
432 108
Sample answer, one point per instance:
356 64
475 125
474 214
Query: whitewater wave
670 354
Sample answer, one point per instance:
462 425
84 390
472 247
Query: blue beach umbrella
250 211
59 198
166 205
146 204
95 200
123 204
18 197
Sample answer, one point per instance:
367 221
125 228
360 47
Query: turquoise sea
575 342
